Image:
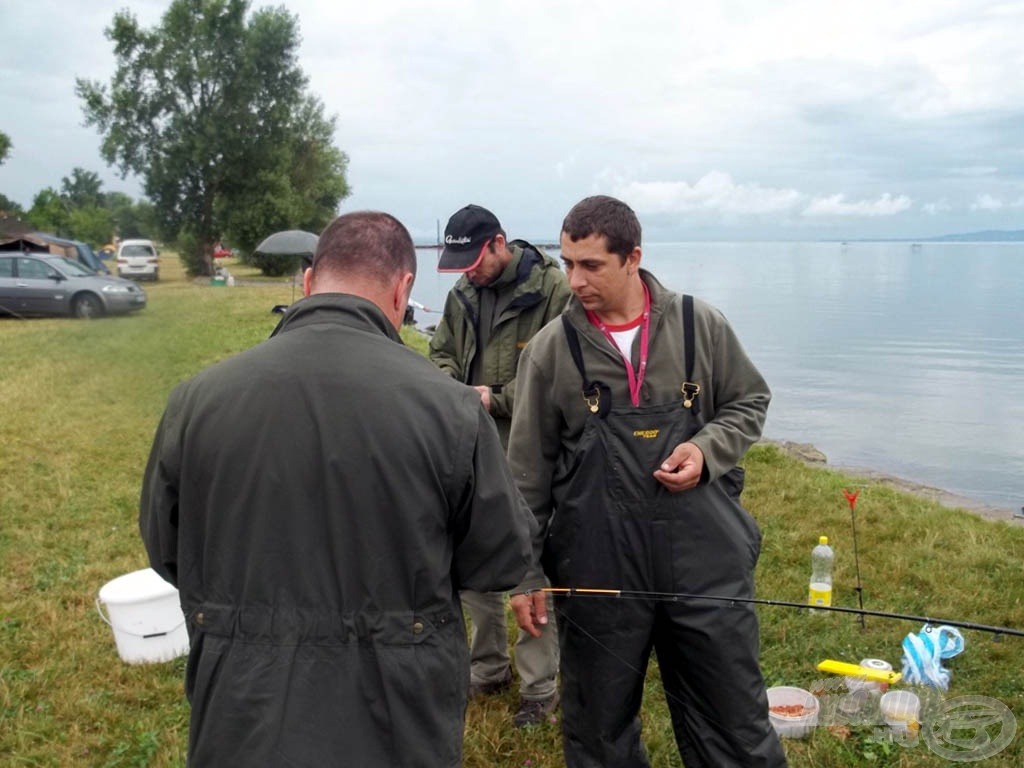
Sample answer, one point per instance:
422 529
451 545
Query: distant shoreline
810 455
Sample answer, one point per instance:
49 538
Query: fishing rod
851 498
675 597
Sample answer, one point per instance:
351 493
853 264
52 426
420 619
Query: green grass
81 401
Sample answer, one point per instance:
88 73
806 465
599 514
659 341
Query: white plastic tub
796 726
144 612
901 710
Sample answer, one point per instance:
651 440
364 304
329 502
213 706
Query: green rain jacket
550 412
534 290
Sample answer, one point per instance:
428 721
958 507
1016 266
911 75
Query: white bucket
146 617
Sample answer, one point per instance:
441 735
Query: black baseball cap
469 231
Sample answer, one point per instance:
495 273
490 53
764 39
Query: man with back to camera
630 417
319 500
508 292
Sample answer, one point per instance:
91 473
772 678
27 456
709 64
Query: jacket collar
660 297
338 308
515 276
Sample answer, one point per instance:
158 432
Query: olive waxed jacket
551 411
536 290
319 500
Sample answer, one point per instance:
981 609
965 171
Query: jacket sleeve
556 286
740 398
158 503
494 528
444 348
534 450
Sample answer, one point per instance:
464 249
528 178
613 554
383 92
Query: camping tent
44 242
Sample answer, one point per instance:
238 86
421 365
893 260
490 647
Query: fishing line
675 597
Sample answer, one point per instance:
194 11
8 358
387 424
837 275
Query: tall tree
208 106
5 146
49 212
82 188
9 207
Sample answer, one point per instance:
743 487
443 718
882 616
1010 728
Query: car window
32 269
137 250
6 267
75 268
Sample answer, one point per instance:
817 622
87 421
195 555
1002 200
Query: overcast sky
789 119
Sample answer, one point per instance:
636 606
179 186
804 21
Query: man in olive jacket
632 413
318 501
508 291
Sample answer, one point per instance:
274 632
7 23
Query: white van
138 258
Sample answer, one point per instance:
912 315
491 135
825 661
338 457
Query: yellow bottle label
819 594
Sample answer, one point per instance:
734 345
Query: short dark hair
490 245
365 244
606 217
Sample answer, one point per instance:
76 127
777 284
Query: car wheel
87 306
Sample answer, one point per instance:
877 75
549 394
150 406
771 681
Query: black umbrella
291 242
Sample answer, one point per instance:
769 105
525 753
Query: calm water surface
898 357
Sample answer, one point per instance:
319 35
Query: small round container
863 691
901 710
792 726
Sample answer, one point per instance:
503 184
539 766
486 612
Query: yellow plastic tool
856 670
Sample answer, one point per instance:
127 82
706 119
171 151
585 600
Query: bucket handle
99 610
109 623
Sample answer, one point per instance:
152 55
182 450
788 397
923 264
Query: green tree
49 212
92 224
210 109
5 146
82 189
130 218
8 207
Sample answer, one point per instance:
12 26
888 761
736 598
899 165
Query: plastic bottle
822 558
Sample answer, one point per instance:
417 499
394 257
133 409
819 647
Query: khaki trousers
536 658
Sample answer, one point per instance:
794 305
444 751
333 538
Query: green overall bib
616 527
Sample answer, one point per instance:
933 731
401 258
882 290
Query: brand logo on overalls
646 434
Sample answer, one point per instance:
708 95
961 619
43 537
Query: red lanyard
636 378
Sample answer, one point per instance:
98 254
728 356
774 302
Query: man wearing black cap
508 292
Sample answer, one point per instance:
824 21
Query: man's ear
403 290
307 281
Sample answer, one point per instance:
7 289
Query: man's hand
485 396
682 469
531 611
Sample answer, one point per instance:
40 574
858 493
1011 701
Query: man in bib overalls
631 415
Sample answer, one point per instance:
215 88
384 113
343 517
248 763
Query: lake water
903 358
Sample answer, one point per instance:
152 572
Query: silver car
41 284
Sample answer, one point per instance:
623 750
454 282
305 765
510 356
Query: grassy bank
81 401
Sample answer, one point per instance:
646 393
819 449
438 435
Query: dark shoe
479 690
535 712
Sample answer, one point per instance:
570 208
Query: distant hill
987 236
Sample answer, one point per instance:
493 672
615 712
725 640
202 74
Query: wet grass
81 401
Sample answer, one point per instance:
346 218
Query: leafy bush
273 265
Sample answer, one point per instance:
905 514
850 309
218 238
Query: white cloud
836 205
934 209
974 171
988 202
797 99
715 191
